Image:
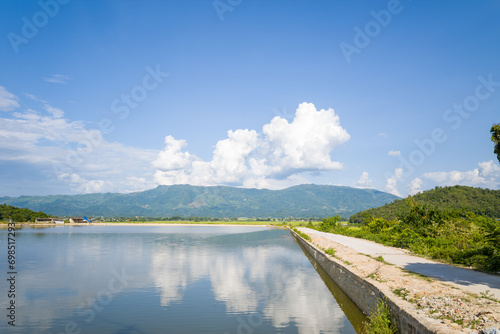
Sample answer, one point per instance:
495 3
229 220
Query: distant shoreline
173 224
146 224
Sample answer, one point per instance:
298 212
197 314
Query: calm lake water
169 279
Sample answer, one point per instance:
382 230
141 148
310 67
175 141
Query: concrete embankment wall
365 293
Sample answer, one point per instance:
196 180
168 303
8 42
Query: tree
329 223
495 137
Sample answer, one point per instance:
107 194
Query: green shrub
379 322
330 251
329 223
303 235
377 225
406 238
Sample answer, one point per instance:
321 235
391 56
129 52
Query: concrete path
467 279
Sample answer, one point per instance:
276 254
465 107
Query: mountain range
216 201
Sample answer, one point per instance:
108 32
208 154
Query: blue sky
120 96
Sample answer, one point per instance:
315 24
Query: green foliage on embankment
303 235
451 235
379 321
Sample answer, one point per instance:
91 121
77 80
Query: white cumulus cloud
307 141
415 186
252 159
392 182
364 181
172 157
486 175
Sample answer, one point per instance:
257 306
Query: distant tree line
8 212
207 219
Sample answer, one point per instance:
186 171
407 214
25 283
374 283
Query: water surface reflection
168 279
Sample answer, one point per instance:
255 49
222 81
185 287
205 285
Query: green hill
192 201
484 202
8 212
452 224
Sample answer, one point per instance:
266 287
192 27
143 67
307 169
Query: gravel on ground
455 306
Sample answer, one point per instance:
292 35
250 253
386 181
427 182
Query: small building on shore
52 220
76 220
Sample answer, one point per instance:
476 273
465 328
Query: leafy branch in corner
495 138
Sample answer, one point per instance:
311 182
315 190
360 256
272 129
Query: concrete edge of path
365 294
